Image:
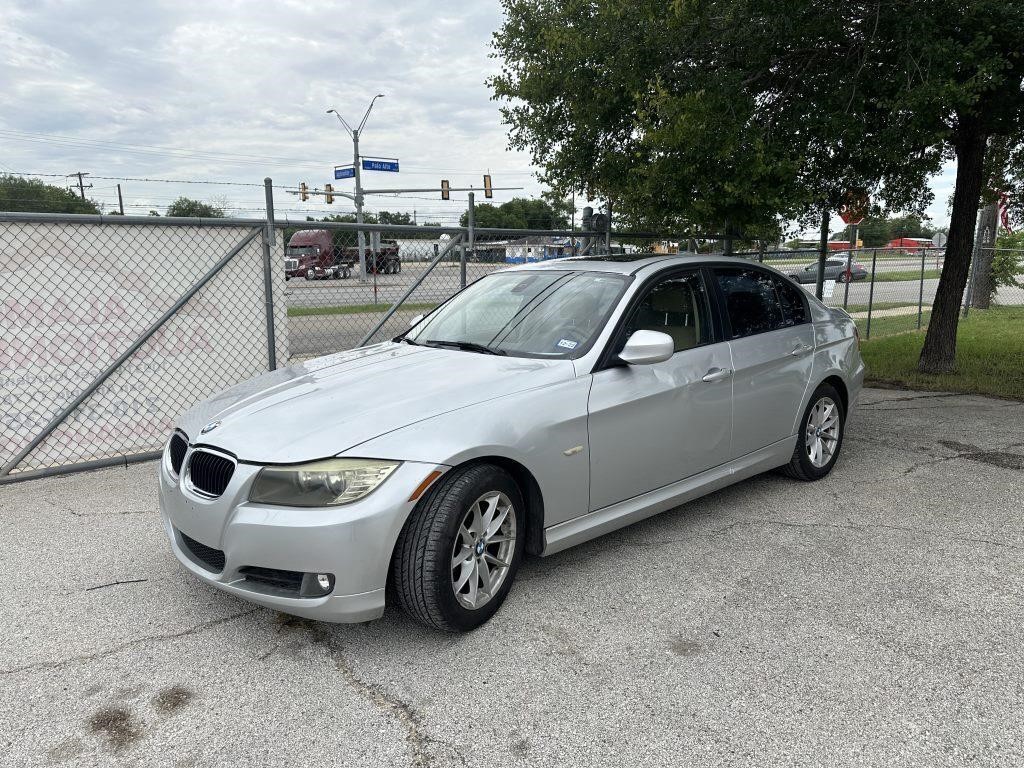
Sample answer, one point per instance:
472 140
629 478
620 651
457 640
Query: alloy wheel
822 432
483 549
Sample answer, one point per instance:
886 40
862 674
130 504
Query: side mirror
647 347
415 321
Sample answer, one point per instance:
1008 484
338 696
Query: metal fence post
470 232
268 283
920 294
849 279
871 293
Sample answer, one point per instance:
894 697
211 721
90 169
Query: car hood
330 404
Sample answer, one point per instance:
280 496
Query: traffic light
328 193
487 186
303 191
444 189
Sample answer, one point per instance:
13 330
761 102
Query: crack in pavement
116 583
393 706
48 665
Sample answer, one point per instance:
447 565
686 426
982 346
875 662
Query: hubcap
483 549
822 432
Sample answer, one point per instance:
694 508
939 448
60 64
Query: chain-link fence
886 290
112 326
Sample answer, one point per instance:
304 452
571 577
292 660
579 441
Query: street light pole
354 133
359 204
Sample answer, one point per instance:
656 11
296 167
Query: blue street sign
344 173
380 165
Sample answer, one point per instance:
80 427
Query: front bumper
353 542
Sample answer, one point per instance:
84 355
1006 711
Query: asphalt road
873 618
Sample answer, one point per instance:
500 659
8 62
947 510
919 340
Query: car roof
625 264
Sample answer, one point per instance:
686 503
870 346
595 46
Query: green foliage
716 115
522 213
185 206
31 195
1008 261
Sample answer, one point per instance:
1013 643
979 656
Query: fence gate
111 326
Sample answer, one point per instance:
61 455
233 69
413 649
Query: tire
842 278
309 274
801 466
796 278
422 573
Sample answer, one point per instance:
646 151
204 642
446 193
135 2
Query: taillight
856 335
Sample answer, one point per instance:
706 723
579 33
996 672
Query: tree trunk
939 352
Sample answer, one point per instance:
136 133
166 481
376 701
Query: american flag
1004 214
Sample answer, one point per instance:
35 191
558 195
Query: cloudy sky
236 91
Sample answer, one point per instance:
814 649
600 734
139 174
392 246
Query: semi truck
312 253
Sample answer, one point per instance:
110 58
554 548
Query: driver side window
676 305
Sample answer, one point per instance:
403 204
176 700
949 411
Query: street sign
344 172
380 165
939 239
855 207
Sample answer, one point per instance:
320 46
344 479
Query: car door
767 322
651 425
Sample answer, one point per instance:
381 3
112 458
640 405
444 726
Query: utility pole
120 200
82 186
358 199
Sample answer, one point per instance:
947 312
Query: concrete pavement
873 618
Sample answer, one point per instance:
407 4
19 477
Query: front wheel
460 549
820 436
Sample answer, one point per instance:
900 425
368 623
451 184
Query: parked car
540 407
332 272
838 267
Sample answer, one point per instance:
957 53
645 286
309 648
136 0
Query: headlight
321 483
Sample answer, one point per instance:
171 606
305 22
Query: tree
723 116
185 206
521 213
728 114
31 195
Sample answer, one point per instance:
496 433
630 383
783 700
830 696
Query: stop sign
855 207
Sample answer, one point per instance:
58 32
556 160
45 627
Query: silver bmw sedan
542 406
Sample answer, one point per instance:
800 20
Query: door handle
717 374
801 349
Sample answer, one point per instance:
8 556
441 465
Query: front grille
178 447
291 264
210 473
212 559
273 581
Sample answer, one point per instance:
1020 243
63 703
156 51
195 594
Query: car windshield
301 250
549 314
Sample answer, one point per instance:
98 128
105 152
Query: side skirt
602 521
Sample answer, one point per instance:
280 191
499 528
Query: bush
1008 261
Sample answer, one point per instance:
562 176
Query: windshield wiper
468 346
407 340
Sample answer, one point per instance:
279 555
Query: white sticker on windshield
568 344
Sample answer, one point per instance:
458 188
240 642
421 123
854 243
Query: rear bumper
353 543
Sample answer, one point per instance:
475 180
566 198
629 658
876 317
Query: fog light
316 584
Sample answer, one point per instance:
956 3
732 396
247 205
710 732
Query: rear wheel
820 436
460 549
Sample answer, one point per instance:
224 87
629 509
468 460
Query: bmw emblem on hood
209 427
